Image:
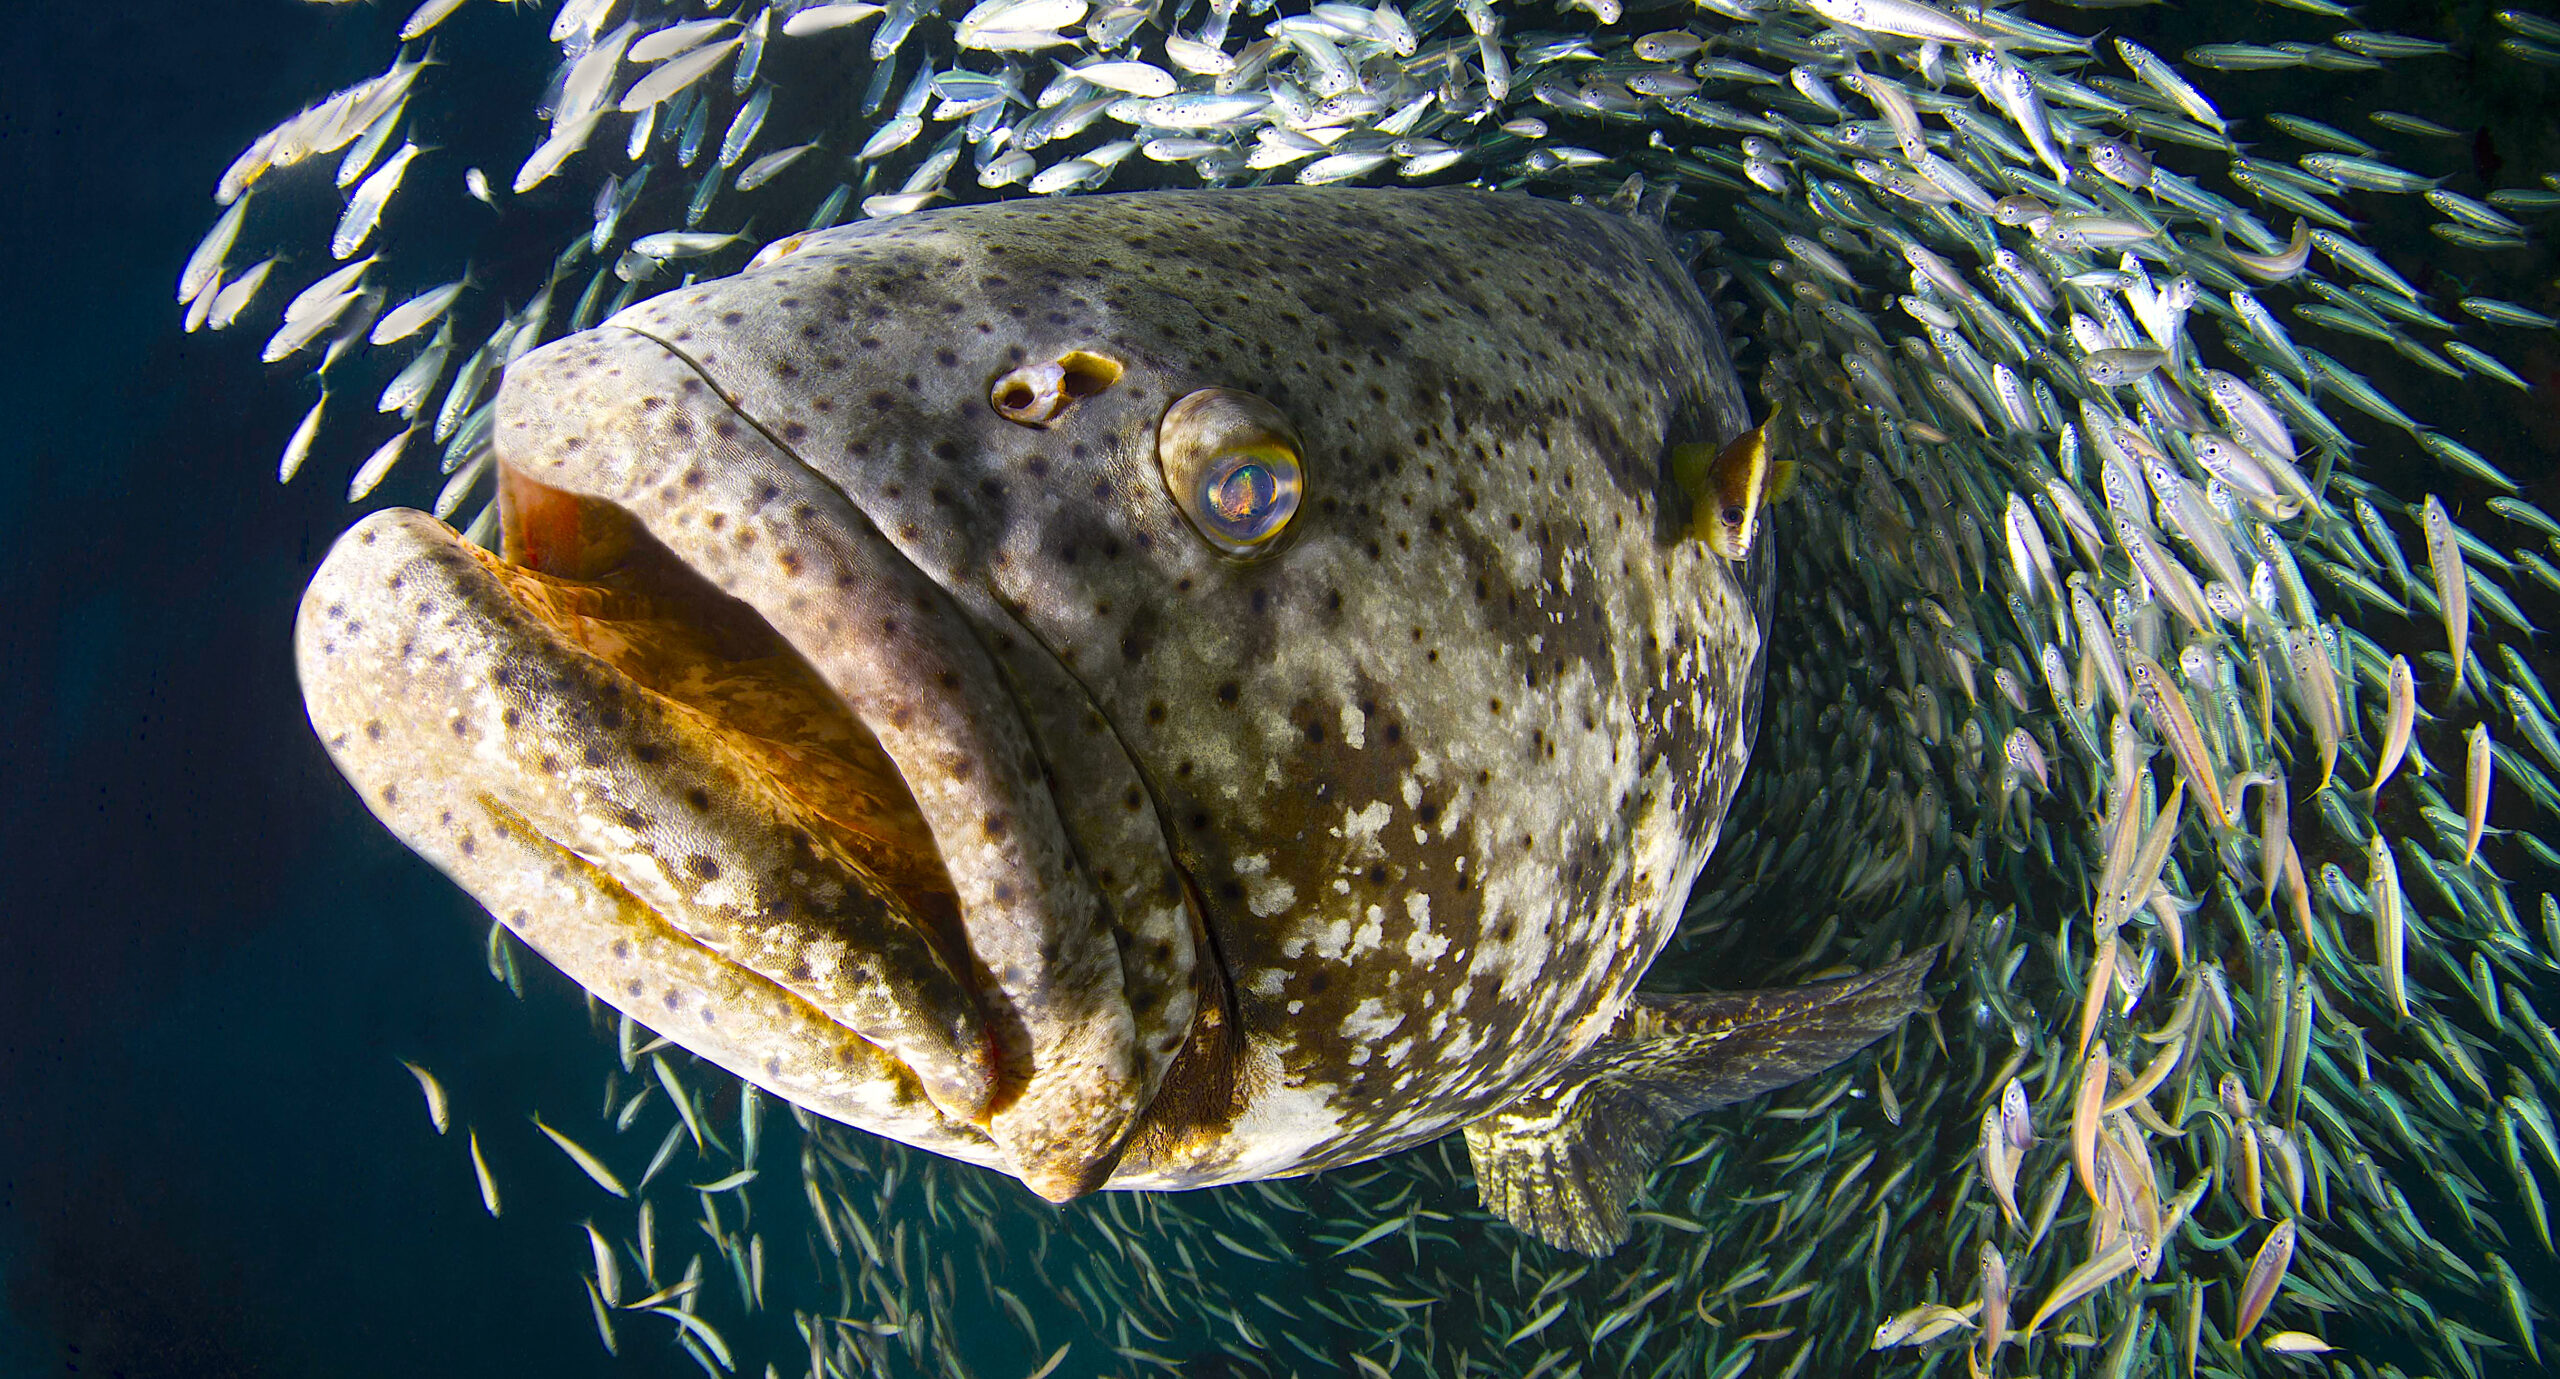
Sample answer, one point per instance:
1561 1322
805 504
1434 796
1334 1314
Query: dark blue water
210 1163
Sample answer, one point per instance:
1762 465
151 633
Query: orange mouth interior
593 574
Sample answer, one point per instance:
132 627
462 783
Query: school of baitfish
2173 675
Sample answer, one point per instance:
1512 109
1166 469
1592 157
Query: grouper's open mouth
735 766
859 871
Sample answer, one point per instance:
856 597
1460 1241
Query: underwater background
211 1162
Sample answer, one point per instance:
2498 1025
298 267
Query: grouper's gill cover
1253 866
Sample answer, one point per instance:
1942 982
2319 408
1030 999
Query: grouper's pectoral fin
1563 1161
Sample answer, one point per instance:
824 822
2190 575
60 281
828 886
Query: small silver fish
205 263
2390 921
232 300
2479 766
674 76
417 313
2115 368
480 1172
2453 585
2266 1274
439 1110
2403 716
585 1159
1898 19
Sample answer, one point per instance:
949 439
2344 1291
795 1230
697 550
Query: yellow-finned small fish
1731 488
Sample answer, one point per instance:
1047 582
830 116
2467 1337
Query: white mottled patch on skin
1453 812
1423 946
723 894
1330 941
1461 1044
1371 1021
1274 726
1269 981
1272 897
1373 927
1266 895
1398 1052
1355 726
1360 827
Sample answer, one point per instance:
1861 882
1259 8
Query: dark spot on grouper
1256 707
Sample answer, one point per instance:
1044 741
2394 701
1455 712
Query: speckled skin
1264 866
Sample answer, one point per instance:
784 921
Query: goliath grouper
1130 691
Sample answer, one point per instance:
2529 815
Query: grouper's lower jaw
641 780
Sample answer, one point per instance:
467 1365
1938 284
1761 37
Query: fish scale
1831 538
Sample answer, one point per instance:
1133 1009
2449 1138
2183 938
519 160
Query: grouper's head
1141 689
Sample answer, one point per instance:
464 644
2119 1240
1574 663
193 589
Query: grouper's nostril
1042 394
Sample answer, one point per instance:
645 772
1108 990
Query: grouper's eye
1231 462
